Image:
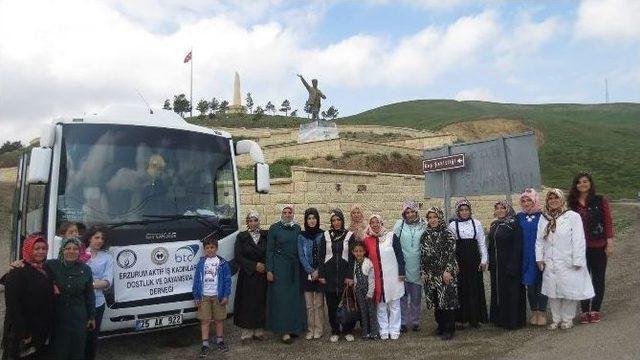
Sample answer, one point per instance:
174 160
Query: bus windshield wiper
208 221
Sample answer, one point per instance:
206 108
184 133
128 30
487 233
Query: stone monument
317 129
315 97
236 106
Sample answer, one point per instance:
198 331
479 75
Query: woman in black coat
508 299
251 289
29 304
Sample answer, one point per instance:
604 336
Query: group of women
54 307
553 254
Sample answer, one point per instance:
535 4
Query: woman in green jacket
74 301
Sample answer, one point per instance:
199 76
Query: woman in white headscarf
560 254
251 290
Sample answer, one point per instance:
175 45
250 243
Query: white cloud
481 94
612 20
525 40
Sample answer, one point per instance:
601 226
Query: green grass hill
603 139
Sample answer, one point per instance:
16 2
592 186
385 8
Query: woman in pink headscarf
531 275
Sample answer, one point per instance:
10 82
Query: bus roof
141 116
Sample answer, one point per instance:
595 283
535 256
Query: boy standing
211 290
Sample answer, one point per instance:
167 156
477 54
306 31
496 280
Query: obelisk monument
236 107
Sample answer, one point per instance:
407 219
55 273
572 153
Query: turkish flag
187 58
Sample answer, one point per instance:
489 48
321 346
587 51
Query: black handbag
348 313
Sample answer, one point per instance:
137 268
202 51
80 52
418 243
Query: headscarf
532 195
253 214
357 227
410 205
369 232
460 203
308 231
510 212
64 243
337 234
553 215
287 223
27 250
441 223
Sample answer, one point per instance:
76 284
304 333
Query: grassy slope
602 139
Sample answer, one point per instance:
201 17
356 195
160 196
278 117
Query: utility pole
606 90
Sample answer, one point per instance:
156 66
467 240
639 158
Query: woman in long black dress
508 299
251 289
29 304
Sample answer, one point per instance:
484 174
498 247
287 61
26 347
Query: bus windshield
122 174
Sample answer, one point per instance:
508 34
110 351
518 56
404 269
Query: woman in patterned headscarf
439 270
560 253
251 290
29 303
508 309
74 301
472 256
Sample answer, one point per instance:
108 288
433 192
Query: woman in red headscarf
29 304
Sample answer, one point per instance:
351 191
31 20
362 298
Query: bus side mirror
39 166
261 176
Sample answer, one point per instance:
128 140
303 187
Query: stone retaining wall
425 142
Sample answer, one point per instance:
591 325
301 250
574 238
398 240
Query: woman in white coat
560 254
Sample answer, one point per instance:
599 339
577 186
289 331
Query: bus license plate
161 321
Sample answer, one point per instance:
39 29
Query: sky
66 58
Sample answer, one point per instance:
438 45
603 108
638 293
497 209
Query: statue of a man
315 97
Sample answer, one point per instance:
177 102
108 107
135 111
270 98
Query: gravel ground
616 337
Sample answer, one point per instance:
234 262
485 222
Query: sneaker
374 337
542 318
334 338
403 329
204 351
317 335
309 336
223 347
585 318
553 326
395 336
566 325
287 339
416 328
595 316
349 337
384 336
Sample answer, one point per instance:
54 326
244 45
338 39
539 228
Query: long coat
508 297
29 303
251 290
386 256
565 273
286 312
438 254
74 307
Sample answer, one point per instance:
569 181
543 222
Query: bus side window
34 219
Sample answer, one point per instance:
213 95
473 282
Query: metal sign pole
445 185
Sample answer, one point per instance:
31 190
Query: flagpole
191 91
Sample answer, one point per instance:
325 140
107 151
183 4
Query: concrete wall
326 189
335 147
425 142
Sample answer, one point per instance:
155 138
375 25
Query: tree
167 105
10 146
330 114
249 102
213 105
181 104
294 113
258 114
224 106
270 107
285 107
203 106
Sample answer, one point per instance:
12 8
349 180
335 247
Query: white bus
158 183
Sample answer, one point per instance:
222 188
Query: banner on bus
154 270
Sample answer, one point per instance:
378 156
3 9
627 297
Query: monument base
237 109
317 131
